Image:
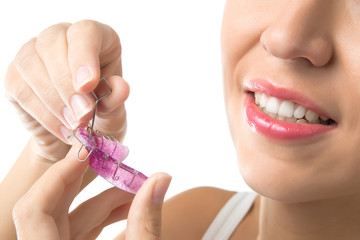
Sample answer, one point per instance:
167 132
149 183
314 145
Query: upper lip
265 86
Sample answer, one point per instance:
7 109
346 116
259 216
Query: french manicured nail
80 105
66 123
70 118
66 133
83 75
161 187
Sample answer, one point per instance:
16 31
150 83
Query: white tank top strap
230 216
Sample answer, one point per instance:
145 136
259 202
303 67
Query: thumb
144 220
111 114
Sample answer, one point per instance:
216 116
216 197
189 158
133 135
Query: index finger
54 191
91 46
63 176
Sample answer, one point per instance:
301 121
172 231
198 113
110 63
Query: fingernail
83 75
70 118
161 187
80 105
66 133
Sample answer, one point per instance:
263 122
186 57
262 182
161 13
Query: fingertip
156 186
162 184
120 91
125 90
118 84
78 152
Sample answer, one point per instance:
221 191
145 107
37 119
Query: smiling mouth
285 110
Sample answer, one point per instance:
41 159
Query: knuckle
84 25
22 94
152 228
25 54
62 77
116 44
22 210
48 36
75 234
116 47
19 93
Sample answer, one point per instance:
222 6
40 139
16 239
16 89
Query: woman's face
300 57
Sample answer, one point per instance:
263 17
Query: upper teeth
286 110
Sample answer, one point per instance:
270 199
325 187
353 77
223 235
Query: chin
287 178
271 179
284 180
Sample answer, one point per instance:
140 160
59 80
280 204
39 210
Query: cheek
237 36
243 23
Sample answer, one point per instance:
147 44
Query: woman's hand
51 78
42 213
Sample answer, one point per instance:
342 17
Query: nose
301 31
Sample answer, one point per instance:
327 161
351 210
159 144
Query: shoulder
189 214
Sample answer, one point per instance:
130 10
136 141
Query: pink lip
260 85
277 129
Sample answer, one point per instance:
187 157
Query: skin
42 213
309 189
49 65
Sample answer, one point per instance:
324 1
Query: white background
171 59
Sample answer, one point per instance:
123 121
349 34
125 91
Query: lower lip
277 129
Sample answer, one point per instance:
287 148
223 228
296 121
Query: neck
336 218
